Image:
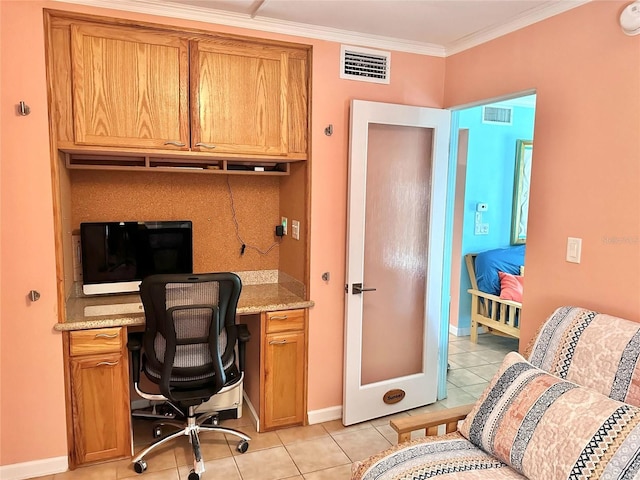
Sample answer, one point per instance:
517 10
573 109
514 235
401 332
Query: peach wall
32 423
586 172
31 352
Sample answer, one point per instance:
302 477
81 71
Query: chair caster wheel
243 446
193 476
140 466
157 432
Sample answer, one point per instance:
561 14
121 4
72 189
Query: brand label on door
393 396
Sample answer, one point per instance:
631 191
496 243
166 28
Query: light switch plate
574 249
295 229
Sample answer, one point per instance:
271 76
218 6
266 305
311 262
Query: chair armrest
243 336
243 333
494 298
430 422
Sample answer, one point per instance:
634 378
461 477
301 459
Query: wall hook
329 130
23 109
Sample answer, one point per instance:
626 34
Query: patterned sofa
569 412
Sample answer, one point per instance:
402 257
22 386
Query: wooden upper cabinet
130 88
240 98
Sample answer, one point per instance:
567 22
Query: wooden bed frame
499 316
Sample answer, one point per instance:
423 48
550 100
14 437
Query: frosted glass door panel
398 186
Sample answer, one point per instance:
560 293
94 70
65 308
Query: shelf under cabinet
175 162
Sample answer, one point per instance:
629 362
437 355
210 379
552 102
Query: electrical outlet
284 222
295 229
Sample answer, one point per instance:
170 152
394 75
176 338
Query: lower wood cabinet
99 378
276 372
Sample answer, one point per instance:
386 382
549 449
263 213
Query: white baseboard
254 415
325 415
36 468
459 332
464 331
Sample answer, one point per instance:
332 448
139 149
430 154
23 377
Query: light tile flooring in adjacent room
316 452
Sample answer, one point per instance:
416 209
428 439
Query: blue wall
490 171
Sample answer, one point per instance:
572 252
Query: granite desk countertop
126 311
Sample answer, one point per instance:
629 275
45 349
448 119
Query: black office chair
188 350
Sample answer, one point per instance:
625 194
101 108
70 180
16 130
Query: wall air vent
365 65
497 115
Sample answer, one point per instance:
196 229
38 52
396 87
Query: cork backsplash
203 199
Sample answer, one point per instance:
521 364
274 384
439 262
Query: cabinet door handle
106 335
205 145
274 342
175 143
108 364
278 317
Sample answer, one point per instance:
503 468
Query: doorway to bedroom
495 146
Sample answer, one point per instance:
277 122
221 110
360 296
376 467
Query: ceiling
435 27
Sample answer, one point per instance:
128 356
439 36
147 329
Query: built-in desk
95 337
267 297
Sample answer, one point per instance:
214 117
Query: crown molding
207 15
530 17
188 12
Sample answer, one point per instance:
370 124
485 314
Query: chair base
192 429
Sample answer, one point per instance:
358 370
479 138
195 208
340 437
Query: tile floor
315 452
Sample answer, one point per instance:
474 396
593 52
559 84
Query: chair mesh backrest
191 324
180 313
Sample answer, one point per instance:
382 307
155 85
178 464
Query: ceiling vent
497 115
365 65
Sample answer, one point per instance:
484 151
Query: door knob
357 289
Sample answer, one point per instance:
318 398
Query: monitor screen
116 256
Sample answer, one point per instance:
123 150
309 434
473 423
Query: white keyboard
113 309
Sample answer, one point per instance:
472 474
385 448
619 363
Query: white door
396 225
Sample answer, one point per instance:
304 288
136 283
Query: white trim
464 331
325 415
35 468
255 419
208 15
535 15
492 100
459 332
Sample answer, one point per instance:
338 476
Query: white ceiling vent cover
365 65
497 115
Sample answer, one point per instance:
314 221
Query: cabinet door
239 98
284 367
130 88
100 403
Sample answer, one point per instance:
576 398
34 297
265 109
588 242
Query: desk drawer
285 321
99 340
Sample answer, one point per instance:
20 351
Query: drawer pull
106 335
108 364
205 145
278 317
174 143
274 342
